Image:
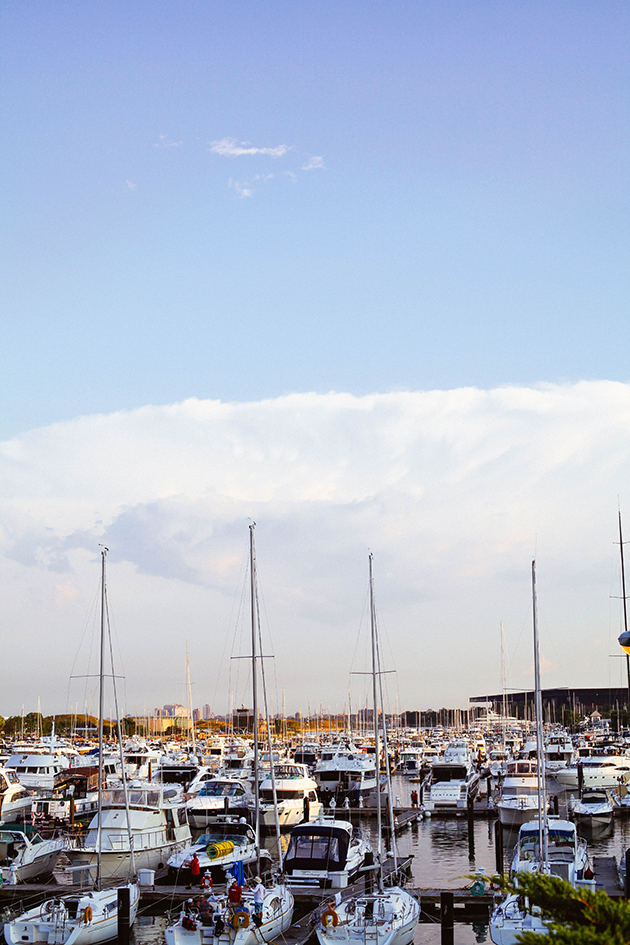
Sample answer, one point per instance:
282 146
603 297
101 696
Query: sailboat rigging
390 915
91 917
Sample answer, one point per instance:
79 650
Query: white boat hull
53 922
117 866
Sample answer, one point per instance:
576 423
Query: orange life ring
87 914
240 920
330 917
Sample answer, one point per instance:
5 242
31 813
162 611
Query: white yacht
599 771
15 800
452 780
158 825
38 772
237 761
25 857
344 771
219 796
518 801
567 855
594 810
296 794
325 853
411 759
227 841
559 753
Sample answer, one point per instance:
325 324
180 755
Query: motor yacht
227 841
158 826
325 853
598 771
453 780
25 855
296 795
219 796
345 772
518 800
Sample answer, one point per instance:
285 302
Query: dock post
580 778
627 880
447 918
123 915
471 827
498 846
489 786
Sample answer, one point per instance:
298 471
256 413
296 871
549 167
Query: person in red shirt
195 871
235 893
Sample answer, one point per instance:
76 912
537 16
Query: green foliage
576 916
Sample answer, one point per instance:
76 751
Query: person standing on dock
195 871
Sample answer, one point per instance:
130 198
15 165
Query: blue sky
210 207
468 227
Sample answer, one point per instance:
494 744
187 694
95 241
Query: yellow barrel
215 850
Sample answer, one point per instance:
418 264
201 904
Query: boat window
448 773
281 794
313 851
221 789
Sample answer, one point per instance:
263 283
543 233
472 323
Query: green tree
575 916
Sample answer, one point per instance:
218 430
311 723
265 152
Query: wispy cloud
314 163
242 188
245 188
167 142
230 147
130 184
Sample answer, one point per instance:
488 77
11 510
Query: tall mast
503 694
252 581
625 610
542 805
377 751
101 689
191 724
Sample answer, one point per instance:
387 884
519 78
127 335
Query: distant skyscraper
207 712
196 715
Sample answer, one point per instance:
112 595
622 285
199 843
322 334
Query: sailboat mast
101 692
503 694
625 609
377 751
252 578
542 805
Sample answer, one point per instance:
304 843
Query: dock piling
123 915
447 918
498 846
470 810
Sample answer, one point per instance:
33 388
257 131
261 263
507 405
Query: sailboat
553 849
92 916
388 916
226 923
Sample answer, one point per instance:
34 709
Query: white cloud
229 147
314 163
130 184
245 188
242 188
452 490
167 142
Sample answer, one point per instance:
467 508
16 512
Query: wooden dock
607 876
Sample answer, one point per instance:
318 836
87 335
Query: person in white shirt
259 895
